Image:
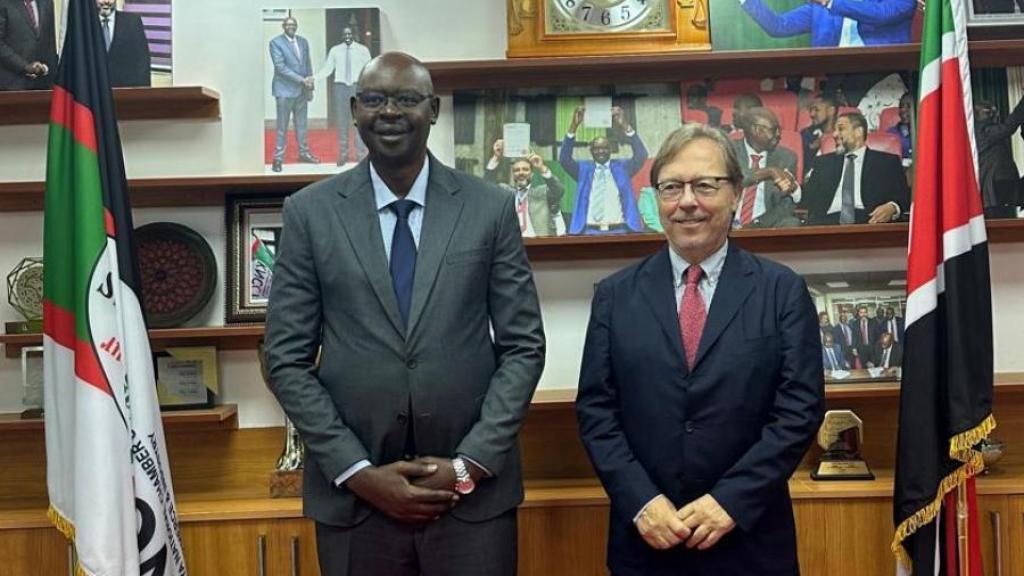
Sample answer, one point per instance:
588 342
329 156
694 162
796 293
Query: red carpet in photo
323 144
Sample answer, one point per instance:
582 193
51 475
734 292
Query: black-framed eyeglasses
703 186
406 100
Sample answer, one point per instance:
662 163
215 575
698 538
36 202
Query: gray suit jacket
542 204
468 390
20 44
778 207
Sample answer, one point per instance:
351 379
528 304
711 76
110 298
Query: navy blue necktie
403 257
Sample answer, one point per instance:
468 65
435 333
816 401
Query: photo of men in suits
536 204
1001 191
838 22
701 384
770 190
28 44
605 203
843 336
345 60
864 331
432 343
823 111
128 59
887 353
855 184
292 88
832 355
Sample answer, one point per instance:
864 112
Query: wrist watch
463 481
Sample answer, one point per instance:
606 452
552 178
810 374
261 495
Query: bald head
390 65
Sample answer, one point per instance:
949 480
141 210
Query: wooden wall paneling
224 464
566 540
33 552
993 522
845 537
1013 549
551 445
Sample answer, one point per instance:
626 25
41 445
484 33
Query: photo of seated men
766 24
860 323
582 167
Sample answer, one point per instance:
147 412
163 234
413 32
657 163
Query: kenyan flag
946 397
107 473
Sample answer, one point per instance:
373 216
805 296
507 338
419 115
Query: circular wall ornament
177 272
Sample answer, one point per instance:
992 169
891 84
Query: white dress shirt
358 55
760 206
858 167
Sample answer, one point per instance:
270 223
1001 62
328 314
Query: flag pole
962 528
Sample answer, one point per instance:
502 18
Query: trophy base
26 327
286 483
842 470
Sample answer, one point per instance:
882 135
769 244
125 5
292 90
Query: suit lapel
357 211
734 286
442 211
657 285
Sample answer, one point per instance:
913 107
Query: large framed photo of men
137 35
860 320
312 64
577 158
772 24
995 12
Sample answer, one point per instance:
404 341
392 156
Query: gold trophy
840 436
286 478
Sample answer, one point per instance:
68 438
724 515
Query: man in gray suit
28 45
412 281
770 191
292 88
536 205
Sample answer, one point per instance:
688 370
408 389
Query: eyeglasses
703 186
766 128
406 100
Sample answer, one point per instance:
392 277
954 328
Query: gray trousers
446 547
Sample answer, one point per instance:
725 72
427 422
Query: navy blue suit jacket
878 21
735 427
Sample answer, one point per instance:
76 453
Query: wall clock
605 27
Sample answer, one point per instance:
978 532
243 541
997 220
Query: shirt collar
750 151
384 195
598 165
859 153
712 265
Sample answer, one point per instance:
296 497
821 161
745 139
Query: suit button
688 426
411 363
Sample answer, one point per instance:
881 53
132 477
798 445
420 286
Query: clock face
606 16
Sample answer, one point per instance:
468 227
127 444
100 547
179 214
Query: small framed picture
186 378
32 377
253 230
995 13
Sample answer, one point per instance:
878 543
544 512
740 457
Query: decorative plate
178 273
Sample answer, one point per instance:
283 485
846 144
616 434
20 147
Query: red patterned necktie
692 314
750 193
32 16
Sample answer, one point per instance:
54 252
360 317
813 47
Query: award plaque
25 294
840 436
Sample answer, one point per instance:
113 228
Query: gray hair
680 137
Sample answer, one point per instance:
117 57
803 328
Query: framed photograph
32 377
995 13
860 320
186 378
253 230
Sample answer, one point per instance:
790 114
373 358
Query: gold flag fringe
961 448
68 530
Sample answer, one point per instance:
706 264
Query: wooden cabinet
563 540
34 552
1013 545
993 516
844 537
251 547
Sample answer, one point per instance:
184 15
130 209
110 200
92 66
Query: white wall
221 45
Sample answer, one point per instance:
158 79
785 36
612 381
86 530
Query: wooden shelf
173 103
237 337
223 416
167 192
592 70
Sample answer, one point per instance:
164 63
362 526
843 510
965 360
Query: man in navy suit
604 194
701 385
128 58
832 355
839 22
292 88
